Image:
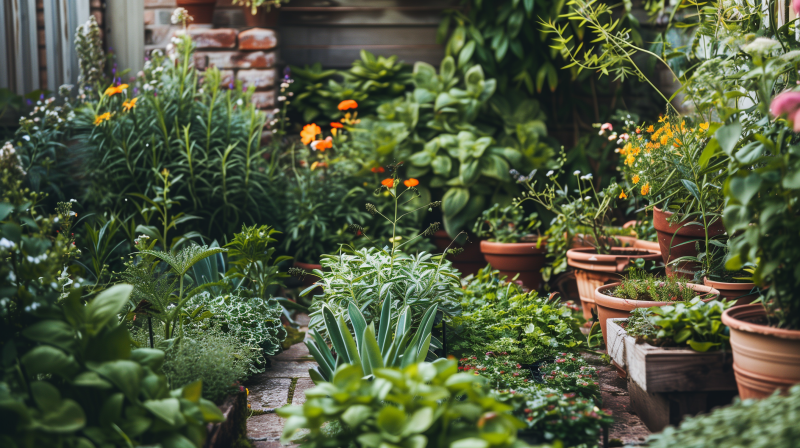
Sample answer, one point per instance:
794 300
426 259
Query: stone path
287 380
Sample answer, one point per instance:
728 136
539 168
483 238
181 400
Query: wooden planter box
667 383
225 433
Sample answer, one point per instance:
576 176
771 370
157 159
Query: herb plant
640 285
696 324
505 224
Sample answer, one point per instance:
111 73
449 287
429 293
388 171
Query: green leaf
49 360
457 40
334 334
454 200
466 53
469 171
356 414
391 420
470 442
422 158
744 188
126 375
728 136
708 152
149 357
53 332
359 323
107 305
372 349
692 187
702 346
442 165
167 409
5 210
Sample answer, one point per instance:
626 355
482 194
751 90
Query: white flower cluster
180 16
9 159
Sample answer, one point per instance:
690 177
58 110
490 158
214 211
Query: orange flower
378 169
630 160
704 126
337 125
101 118
309 133
411 182
128 105
664 139
348 104
635 179
650 129
388 183
622 195
111 91
646 189
322 145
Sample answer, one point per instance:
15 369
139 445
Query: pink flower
788 103
796 6
607 127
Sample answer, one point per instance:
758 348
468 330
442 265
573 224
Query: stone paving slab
297 352
303 384
266 427
289 369
268 393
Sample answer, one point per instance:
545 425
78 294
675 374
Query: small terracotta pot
309 278
742 293
593 270
523 258
673 248
468 262
764 358
609 307
262 19
202 11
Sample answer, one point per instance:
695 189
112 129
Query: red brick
240 59
226 77
149 17
264 100
213 38
257 39
261 79
200 61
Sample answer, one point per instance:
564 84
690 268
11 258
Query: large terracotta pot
764 358
202 11
650 245
262 19
523 258
609 307
468 262
673 248
593 270
309 278
742 293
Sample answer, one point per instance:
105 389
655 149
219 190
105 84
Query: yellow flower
128 105
165 172
111 91
646 189
635 179
630 160
101 118
662 118
650 129
664 139
704 126
622 195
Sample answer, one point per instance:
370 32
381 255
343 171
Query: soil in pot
744 293
468 262
764 358
681 239
202 11
593 270
525 259
610 307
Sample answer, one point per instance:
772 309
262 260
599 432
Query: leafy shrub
422 404
770 422
696 324
505 224
252 271
486 287
216 358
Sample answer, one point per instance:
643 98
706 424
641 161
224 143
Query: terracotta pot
609 307
583 240
764 358
742 293
593 270
262 19
468 262
202 11
523 258
651 245
673 248
309 278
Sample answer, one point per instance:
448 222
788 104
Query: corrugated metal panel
61 19
18 50
333 32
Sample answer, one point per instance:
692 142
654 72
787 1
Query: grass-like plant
640 285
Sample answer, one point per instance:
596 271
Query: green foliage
91 58
505 224
250 258
422 404
640 285
487 287
696 324
393 345
764 423
529 327
216 358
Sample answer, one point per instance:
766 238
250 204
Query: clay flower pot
764 358
674 248
609 307
649 245
523 258
262 18
593 270
202 11
468 262
742 293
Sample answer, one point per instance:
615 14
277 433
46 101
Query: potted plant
588 208
470 260
736 286
509 244
261 13
642 290
200 11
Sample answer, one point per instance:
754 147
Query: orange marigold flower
622 195
646 188
113 90
309 133
388 183
348 104
378 169
322 145
337 125
650 129
635 179
101 118
411 182
128 105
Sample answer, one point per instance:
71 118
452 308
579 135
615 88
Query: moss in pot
643 290
509 245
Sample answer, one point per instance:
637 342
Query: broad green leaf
334 334
167 409
106 305
49 360
728 136
454 200
53 332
